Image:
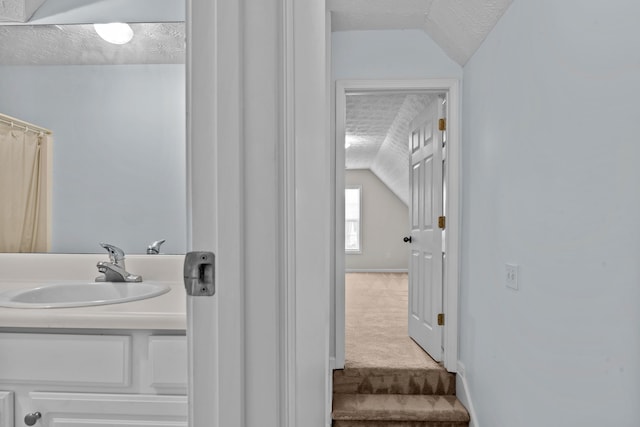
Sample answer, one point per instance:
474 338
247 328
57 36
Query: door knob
407 239
30 419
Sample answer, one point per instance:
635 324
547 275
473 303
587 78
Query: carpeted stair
385 397
388 380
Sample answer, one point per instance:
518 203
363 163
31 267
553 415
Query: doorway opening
387 163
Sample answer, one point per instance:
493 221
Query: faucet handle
115 253
154 248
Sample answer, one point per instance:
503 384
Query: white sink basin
61 295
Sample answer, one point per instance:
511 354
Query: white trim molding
376 270
307 199
6 408
451 89
288 201
259 163
216 325
463 394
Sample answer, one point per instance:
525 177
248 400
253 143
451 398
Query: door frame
451 273
219 84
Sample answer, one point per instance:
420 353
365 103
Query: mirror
118 120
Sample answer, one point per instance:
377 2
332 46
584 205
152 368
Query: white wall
550 158
385 221
118 152
389 54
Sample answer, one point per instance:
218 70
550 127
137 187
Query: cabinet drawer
109 410
168 361
65 359
91 422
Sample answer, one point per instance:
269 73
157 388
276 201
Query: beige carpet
389 381
376 324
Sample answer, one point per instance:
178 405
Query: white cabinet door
6 409
102 410
168 363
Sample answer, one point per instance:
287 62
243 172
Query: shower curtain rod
12 121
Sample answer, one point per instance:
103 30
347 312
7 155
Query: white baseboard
329 402
376 270
463 395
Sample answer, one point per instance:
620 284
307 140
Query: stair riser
429 383
399 424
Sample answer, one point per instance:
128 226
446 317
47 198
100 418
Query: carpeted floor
376 324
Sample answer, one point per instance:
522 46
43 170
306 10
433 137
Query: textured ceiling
377 131
153 43
458 26
18 10
369 118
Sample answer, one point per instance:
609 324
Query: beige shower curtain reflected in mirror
25 199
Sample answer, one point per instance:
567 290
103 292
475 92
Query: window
352 217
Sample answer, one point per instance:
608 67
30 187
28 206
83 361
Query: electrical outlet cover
511 276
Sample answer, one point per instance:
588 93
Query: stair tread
397 407
386 423
395 370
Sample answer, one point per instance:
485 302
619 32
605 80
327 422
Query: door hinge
440 319
442 124
442 222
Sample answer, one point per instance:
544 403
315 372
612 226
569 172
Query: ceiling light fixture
116 32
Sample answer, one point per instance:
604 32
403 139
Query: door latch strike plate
199 274
442 124
440 319
442 222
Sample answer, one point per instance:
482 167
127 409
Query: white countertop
167 311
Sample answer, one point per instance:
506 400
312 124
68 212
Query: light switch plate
511 276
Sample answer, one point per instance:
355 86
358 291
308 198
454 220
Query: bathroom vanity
97 366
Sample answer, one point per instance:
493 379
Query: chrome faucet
114 270
154 248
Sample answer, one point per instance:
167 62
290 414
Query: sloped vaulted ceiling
377 135
458 26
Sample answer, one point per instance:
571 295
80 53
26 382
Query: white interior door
425 208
